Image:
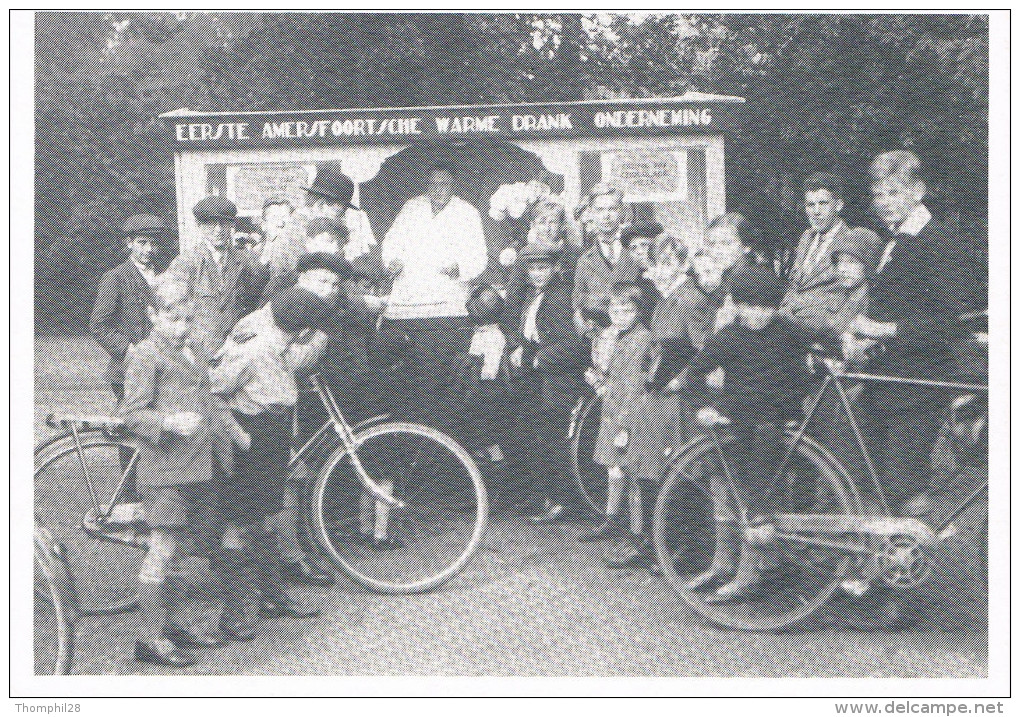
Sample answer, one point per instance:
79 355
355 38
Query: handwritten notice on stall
647 176
250 184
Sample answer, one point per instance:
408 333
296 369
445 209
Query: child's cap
485 305
757 285
648 230
321 260
367 267
533 252
862 245
296 309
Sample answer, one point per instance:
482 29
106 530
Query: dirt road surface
533 602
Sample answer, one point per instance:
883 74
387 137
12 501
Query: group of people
208 362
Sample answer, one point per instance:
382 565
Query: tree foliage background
823 91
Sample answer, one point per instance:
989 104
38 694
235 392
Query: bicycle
840 535
53 609
436 510
591 479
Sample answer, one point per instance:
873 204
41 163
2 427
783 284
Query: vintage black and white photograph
505 344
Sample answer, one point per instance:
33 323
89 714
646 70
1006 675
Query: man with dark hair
433 250
120 317
813 281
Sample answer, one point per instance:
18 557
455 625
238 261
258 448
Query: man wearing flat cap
330 196
225 283
119 316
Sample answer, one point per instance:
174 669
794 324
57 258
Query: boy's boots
268 579
750 572
240 617
724 563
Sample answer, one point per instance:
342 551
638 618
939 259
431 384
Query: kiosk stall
666 154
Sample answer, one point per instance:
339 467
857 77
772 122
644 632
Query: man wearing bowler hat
119 316
330 196
224 282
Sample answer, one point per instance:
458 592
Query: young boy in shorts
183 434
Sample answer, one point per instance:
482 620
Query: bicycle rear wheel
72 491
435 534
801 577
53 627
591 478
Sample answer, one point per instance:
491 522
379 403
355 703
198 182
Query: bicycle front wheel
71 491
419 546
53 628
800 579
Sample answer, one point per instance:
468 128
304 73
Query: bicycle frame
835 378
339 423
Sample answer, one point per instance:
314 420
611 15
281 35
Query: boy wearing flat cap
254 373
766 378
224 282
120 317
320 274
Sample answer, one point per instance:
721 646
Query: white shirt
530 325
489 343
426 243
913 224
611 252
147 272
361 239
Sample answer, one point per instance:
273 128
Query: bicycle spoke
436 526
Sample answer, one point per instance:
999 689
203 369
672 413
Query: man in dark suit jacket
813 281
552 355
912 325
120 316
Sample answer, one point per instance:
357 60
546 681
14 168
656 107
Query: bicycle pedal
855 586
124 514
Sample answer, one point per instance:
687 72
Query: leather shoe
386 543
632 559
187 640
289 608
174 657
301 571
238 629
553 513
601 533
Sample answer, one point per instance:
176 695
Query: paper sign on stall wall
249 185
647 175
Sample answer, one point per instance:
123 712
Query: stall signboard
665 154
691 113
